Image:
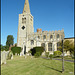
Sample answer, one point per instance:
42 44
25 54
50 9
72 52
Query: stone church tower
25 26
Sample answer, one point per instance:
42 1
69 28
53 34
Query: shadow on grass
53 68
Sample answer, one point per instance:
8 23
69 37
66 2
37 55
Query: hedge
37 54
37 49
16 50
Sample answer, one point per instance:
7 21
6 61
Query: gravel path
58 59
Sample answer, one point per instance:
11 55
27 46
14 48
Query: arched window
57 35
32 42
51 36
43 45
44 37
49 46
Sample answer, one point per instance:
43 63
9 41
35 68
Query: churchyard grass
36 66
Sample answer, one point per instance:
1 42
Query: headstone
25 56
7 52
43 53
12 56
3 57
31 56
20 54
15 54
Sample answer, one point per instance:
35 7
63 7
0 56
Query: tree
71 48
2 48
68 46
10 40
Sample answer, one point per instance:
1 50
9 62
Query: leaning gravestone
18 54
25 56
3 57
7 52
12 56
15 54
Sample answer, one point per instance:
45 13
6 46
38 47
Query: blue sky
48 15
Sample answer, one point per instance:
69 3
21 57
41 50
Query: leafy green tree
71 48
2 48
6 48
68 46
10 40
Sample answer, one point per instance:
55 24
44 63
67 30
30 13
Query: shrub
37 54
57 53
47 54
51 56
6 48
37 49
16 50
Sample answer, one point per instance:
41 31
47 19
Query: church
27 38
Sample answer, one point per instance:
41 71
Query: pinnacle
26 7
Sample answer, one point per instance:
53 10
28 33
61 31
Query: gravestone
3 57
25 56
7 52
12 56
15 54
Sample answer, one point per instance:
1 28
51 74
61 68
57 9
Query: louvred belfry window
23 20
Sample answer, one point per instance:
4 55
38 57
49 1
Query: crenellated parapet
47 35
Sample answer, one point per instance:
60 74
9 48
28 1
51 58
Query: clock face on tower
23 27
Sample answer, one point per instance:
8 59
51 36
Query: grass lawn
35 66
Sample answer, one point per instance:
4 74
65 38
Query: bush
57 53
47 54
6 48
16 50
37 49
51 56
37 54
